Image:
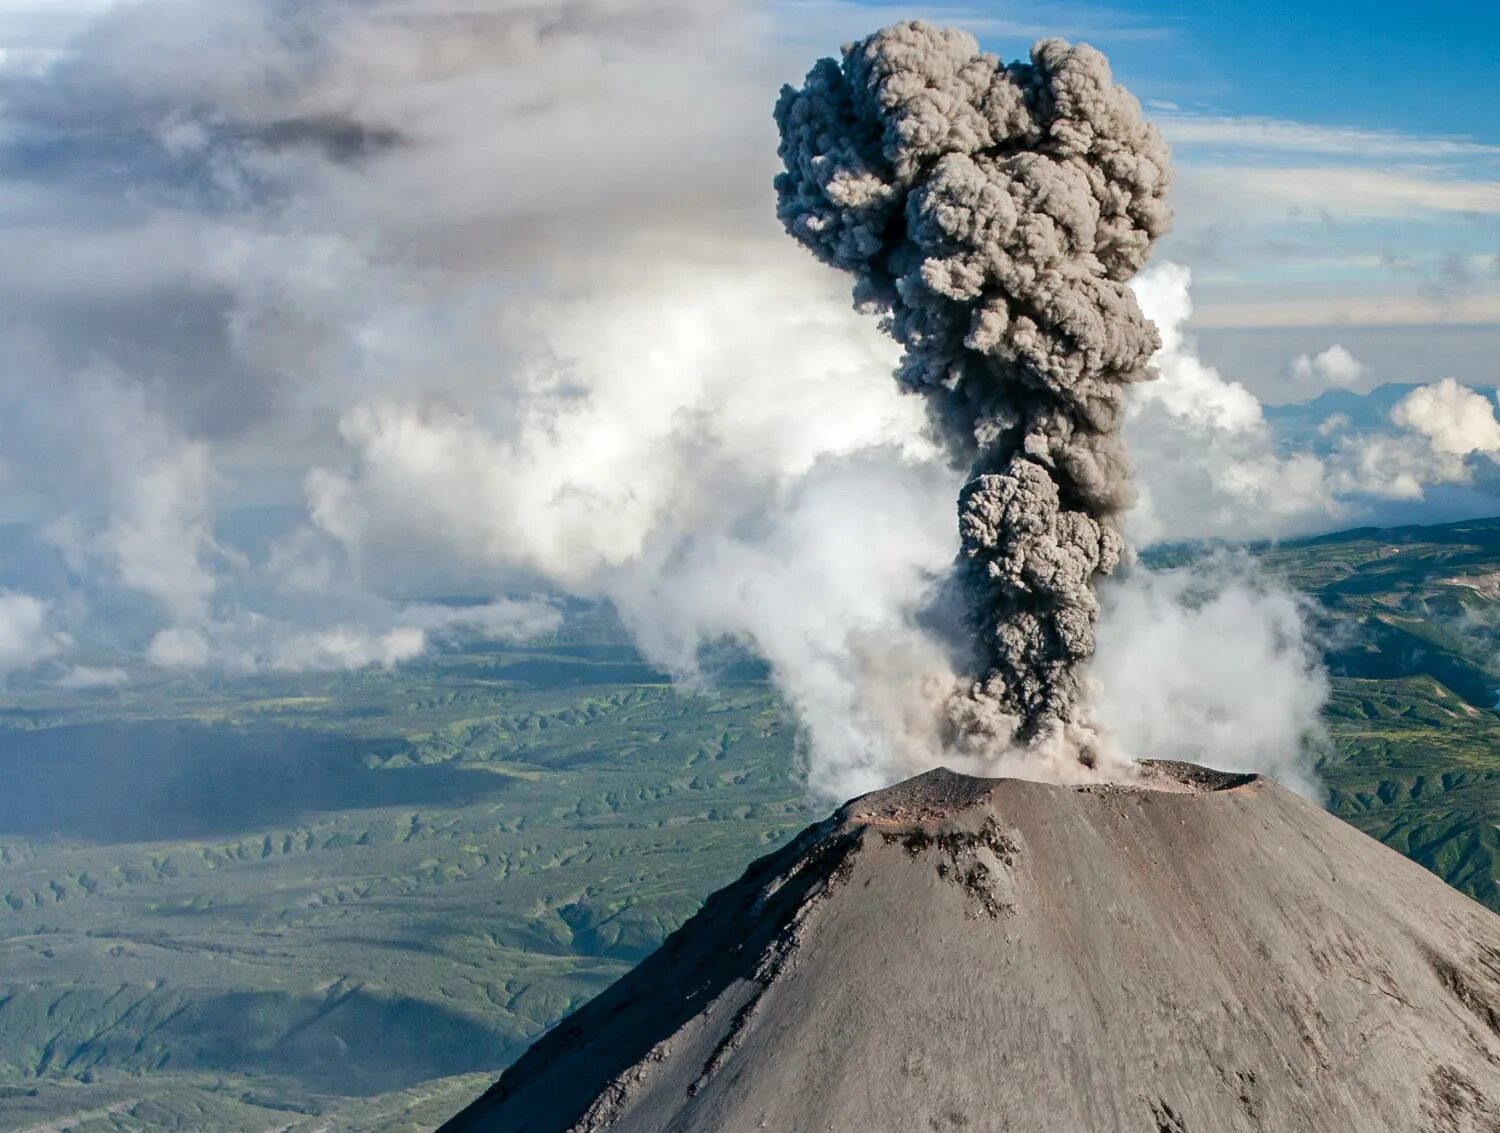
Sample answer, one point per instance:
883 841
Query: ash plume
992 215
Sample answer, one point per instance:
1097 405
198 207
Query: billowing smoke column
992 215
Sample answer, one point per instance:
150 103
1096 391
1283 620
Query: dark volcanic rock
1203 952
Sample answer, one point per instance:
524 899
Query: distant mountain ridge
1296 423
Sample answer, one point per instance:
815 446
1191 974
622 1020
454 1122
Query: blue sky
1390 66
1379 65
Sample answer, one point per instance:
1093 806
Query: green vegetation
1410 619
341 902
290 902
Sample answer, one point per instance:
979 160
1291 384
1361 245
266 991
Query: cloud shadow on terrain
164 781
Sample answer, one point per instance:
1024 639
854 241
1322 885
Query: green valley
343 901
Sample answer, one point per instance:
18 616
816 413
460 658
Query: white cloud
504 620
175 648
250 643
1340 190
1454 418
1282 135
828 580
160 484
1352 310
34 33
26 634
347 648
1390 466
1185 386
93 677
1334 366
656 408
1208 465
385 636
1206 461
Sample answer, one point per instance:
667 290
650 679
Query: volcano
1198 952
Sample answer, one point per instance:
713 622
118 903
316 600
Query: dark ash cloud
992 215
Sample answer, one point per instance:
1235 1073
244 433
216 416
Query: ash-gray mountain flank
1194 953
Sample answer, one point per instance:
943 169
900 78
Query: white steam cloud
1211 663
707 465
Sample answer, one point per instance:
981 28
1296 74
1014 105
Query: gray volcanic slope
993 954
